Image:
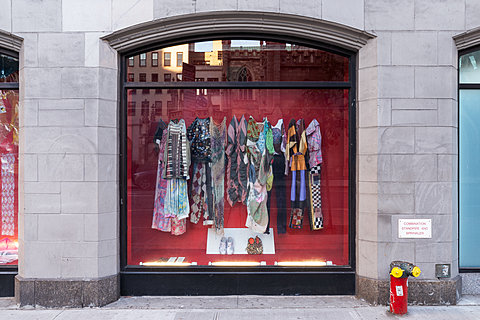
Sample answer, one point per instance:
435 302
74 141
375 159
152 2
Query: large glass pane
245 60
9 176
8 69
469 178
200 243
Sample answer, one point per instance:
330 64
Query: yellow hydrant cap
416 271
397 272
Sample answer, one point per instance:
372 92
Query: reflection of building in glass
213 61
146 106
208 68
273 61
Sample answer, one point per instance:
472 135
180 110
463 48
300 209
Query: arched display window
9 169
238 166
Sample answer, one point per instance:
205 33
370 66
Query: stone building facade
406 131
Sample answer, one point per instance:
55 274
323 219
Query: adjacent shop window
9 159
232 171
469 153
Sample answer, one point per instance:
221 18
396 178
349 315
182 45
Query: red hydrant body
398 295
399 273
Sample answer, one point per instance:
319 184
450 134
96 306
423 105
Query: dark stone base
55 293
420 292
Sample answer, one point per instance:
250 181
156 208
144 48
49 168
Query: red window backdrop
9 176
255 61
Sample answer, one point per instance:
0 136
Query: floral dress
177 162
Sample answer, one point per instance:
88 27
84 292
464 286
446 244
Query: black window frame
8 272
214 280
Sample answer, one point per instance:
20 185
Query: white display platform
240 240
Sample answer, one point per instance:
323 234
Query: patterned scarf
232 165
218 141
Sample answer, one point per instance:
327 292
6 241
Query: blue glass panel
469 178
469 65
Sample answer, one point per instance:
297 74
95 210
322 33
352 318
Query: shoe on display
230 245
223 246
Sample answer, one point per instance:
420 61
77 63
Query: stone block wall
406 127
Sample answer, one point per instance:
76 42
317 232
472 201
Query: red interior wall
9 146
330 108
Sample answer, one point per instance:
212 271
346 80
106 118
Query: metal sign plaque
414 228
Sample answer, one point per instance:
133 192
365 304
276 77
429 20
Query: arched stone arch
10 41
199 26
467 39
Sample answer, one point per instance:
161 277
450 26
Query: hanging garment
258 172
177 152
8 194
160 220
314 139
176 167
237 161
278 137
198 134
158 136
198 192
242 159
316 215
233 185
218 141
296 149
279 183
176 199
179 226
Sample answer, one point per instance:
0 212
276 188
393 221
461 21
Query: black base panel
198 284
7 284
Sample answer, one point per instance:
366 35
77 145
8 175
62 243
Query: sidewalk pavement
242 307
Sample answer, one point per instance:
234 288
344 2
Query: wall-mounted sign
442 270
414 228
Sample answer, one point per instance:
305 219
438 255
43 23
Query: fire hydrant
399 272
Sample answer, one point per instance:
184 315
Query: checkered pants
316 216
